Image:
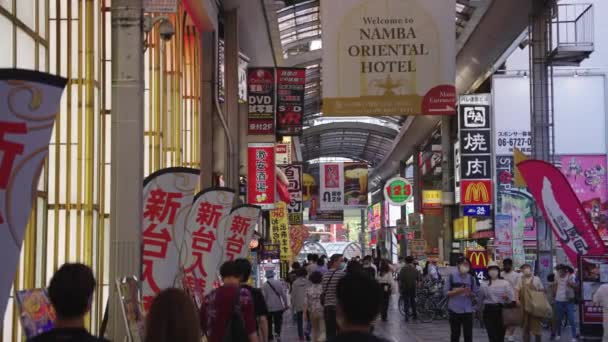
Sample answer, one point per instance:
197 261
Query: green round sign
398 191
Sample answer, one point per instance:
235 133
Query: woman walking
313 308
298 294
493 296
385 278
529 282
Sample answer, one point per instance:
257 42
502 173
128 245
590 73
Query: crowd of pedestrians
335 300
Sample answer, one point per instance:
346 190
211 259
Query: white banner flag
239 230
331 189
168 196
205 237
29 103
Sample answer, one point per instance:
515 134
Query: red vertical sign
291 83
261 175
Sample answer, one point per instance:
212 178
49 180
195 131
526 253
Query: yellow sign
279 230
464 227
476 192
518 157
431 198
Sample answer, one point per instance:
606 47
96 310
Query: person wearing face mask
328 296
512 277
529 282
408 281
461 288
564 299
493 296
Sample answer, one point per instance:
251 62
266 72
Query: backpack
235 329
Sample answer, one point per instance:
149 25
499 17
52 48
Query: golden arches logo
475 259
477 192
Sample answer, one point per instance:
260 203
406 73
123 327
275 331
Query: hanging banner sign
204 238
355 185
279 230
393 58
476 210
398 191
332 186
478 192
261 99
29 103
431 199
290 100
243 63
562 209
239 230
167 199
283 153
261 175
295 206
298 235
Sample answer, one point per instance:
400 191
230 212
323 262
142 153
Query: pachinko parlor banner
29 103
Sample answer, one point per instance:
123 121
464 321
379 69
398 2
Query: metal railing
573 25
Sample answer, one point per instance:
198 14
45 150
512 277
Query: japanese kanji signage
509 139
290 100
391 57
167 199
332 186
355 185
397 191
279 230
29 102
283 153
476 192
298 234
261 173
475 144
295 206
205 237
562 209
261 99
239 230
431 199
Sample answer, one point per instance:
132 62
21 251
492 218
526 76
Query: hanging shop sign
283 153
168 196
279 230
331 190
29 102
417 246
205 238
393 59
221 73
290 100
261 99
476 210
562 209
397 191
374 216
261 175
479 262
475 142
243 64
297 235
457 168
295 205
270 251
431 199
415 221
507 140
239 230
355 185
478 192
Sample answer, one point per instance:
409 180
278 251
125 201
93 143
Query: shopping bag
537 305
512 315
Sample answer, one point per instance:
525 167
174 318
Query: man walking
328 296
408 280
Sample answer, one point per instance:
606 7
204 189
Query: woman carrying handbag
531 297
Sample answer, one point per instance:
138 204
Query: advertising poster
295 206
393 58
204 238
36 312
290 100
355 185
587 176
168 196
279 230
243 64
503 236
239 230
261 175
564 212
283 153
310 196
29 102
593 273
221 65
129 293
374 217
261 100
331 189
298 235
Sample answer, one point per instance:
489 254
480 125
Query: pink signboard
562 209
587 176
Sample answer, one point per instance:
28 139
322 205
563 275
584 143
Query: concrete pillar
208 65
232 95
447 184
127 151
417 182
542 120
403 242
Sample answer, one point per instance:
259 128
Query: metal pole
127 151
447 183
541 112
362 232
403 242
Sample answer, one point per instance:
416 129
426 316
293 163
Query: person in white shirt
385 278
512 277
529 282
564 297
493 296
600 297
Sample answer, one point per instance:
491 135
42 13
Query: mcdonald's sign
476 192
478 259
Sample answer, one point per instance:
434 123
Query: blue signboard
476 210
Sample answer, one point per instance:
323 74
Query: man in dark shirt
408 280
259 304
71 293
357 312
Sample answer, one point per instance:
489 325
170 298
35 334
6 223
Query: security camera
166 30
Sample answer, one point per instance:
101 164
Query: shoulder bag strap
277 293
329 281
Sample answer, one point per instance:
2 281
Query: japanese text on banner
279 230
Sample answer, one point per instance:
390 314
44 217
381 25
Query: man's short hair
409 259
71 290
507 261
316 277
301 272
230 269
359 309
244 267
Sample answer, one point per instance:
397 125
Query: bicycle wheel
425 311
